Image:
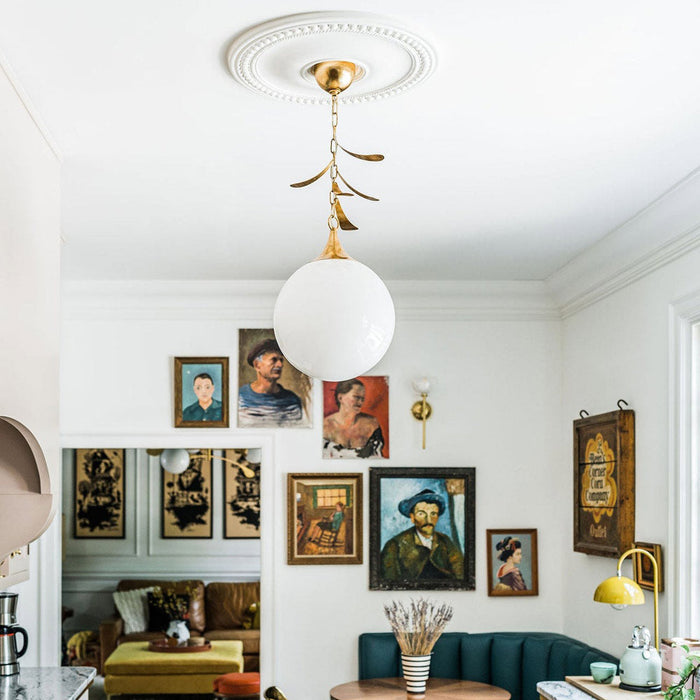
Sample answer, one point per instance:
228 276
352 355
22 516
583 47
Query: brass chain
333 218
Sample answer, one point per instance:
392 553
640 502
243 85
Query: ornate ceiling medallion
391 59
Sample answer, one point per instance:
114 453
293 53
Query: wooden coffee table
132 669
436 689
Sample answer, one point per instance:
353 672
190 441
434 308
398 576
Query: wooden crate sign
604 483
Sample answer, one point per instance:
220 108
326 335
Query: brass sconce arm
422 410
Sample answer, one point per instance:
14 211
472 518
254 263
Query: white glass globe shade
334 319
175 461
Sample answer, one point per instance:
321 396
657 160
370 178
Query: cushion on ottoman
238 684
134 659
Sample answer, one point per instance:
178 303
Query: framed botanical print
604 483
422 528
241 494
186 501
644 569
201 392
99 494
512 562
324 518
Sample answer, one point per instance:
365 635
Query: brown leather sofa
216 612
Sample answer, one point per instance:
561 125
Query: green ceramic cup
603 672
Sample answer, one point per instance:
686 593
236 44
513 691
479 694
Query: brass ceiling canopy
334 76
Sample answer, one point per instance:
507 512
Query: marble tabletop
59 683
560 690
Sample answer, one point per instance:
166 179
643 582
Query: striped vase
415 672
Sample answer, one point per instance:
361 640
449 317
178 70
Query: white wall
493 352
619 348
29 317
92 567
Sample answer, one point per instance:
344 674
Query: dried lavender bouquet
417 625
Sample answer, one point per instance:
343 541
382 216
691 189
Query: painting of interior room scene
325 519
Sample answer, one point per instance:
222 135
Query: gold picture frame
643 568
324 518
512 562
186 502
99 496
241 494
201 392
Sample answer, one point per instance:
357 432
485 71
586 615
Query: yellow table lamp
640 667
620 590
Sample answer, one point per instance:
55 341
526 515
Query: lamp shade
175 461
334 319
619 590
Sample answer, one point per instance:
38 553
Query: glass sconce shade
421 385
619 590
334 319
175 461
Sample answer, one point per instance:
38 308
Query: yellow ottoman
132 668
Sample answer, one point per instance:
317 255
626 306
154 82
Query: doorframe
683 471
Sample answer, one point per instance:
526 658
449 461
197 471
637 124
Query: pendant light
334 317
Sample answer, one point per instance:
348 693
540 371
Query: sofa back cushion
197 620
226 603
516 661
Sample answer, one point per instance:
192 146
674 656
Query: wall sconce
176 461
422 410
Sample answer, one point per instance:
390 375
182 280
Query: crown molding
253 301
665 230
29 107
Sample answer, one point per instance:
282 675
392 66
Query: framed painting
644 569
99 494
186 502
421 528
512 562
201 392
604 483
241 494
356 418
324 518
271 392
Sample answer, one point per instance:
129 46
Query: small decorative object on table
417 626
173 611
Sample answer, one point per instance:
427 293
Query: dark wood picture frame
604 467
316 531
392 532
99 493
241 497
217 367
186 502
526 562
643 568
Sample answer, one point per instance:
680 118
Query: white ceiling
545 125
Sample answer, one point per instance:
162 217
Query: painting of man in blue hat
422 525
421 551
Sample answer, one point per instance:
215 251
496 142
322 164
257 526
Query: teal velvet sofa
516 661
